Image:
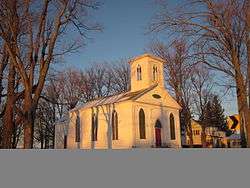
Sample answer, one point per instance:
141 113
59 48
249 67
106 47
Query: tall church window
114 125
154 73
142 124
77 131
94 127
139 77
65 142
172 127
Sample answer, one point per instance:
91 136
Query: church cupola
146 70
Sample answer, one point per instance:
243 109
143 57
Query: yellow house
196 131
144 117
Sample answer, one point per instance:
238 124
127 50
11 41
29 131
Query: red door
158 137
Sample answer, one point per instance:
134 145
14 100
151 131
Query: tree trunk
243 109
41 139
28 134
109 132
248 63
247 122
248 47
190 135
248 77
46 139
53 141
14 138
8 125
8 119
203 137
28 123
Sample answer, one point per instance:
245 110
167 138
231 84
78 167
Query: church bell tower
146 70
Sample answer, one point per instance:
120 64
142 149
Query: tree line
73 87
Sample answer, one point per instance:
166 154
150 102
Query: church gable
158 96
147 72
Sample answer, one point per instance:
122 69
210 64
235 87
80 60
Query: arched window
172 127
142 124
77 130
139 72
154 73
114 125
94 127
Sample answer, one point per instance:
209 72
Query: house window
77 131
94 127
172 127
114 125
142 124
139 77
196 132
154 73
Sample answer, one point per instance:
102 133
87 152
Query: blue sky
124 35
124 23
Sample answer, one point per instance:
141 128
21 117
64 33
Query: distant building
234 141
146 116
214 137
196 131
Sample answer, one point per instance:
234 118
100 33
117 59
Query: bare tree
202 94
68 88
217 29
33 33
8 119
177 74
120 76
45 124
246 20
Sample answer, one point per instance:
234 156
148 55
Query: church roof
147 55
115 98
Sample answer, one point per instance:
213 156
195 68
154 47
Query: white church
144 117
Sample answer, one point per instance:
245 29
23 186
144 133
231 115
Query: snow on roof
115 98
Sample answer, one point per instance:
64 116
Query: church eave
146 55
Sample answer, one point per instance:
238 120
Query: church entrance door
158 133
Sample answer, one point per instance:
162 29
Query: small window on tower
154 73
139 72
